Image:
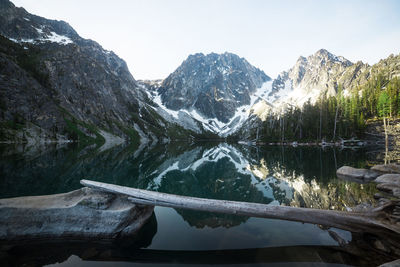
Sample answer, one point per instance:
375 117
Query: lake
274 175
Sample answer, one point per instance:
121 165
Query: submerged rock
356 175
80 214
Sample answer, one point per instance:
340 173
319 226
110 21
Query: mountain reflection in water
302 177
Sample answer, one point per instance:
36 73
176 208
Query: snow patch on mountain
157 99
45 37
211 124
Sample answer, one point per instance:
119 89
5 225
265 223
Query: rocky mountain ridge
311 77
324 72
59 86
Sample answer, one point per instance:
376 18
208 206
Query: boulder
356 175
80 214
386 168
391 264
389 183
389 179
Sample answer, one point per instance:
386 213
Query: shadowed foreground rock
80 214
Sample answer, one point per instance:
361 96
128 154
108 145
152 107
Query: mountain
209 92
56 85
322 73
309 77
214 85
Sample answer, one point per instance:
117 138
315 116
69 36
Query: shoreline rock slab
356 175
388 168
389 183
81 214
389 179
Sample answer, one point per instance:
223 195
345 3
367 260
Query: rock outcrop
351 173
386 168
80 214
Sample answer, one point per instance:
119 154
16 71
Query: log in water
372 221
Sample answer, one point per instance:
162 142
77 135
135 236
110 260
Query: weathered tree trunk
283 129
373 221
320 123
301 126
386 139
334 127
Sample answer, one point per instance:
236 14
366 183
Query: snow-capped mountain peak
308 78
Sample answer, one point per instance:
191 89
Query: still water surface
301 177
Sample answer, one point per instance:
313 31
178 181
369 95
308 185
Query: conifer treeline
378 98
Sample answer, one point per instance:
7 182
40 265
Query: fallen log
374 221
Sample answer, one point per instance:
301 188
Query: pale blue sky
155 36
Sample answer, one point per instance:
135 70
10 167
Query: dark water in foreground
302 177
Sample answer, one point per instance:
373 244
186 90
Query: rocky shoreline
387 178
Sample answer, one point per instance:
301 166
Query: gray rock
396 192
356 175
389 183
389 179
395 263
389 188
81 214
387 168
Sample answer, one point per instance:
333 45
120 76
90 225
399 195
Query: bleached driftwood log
373 221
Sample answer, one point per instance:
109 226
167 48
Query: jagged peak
328 56
323 51
219 60
301 59
213 55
